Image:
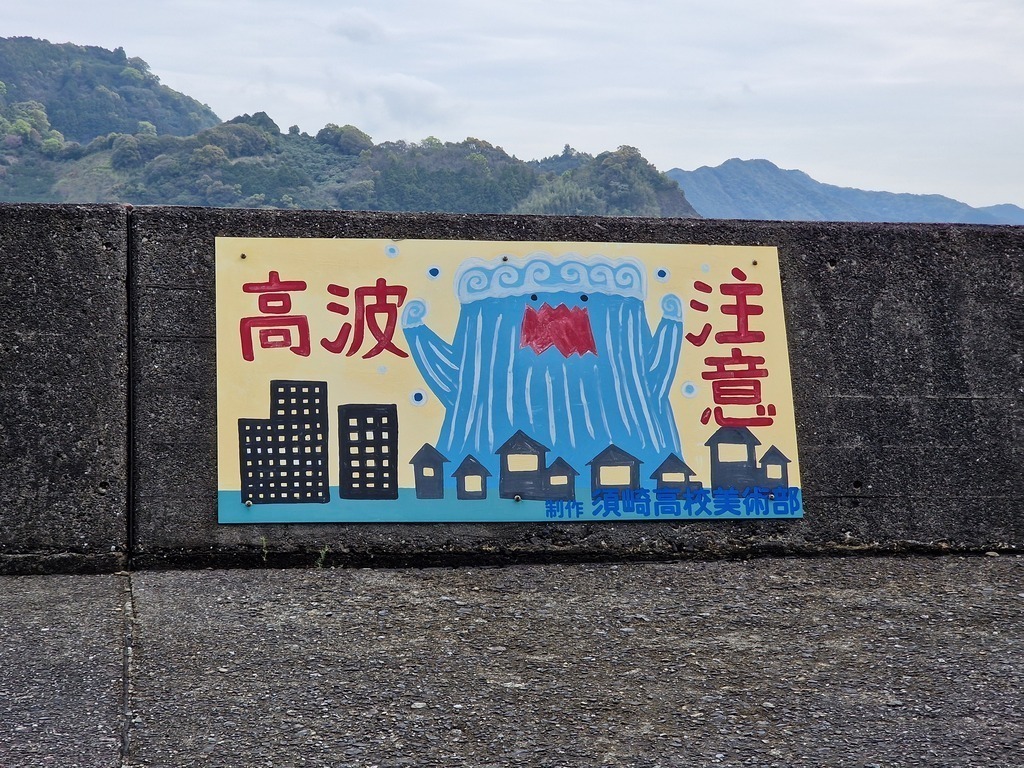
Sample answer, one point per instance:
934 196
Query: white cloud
358 26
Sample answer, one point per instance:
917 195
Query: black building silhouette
471 479
775 469
674 473
368 445
732 458
298 399
428 465
283 459
560 481
614 469
522 468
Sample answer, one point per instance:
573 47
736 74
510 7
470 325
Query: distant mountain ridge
759 189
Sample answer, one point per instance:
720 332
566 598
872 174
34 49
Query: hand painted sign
419 380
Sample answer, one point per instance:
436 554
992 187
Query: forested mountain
83 124
758 189
88 91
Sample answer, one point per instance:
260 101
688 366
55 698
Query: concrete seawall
64 392
905 345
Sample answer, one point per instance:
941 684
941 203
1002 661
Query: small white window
522 462
614 475
733 453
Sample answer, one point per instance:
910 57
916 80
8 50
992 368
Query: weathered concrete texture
774 662
905 344
62 641
63 440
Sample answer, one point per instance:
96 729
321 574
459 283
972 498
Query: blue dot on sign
689 389
433 273
705 267
419 397
661 274
382 370
391 251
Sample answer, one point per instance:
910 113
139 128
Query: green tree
133 76
347 139
126 153
563 197
51 146
35 114
208 157
21 127
237 139
260 120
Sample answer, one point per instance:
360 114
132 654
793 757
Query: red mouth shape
567 330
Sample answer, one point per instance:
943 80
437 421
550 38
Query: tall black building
283 459
368 443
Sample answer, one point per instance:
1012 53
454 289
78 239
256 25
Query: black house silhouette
775 468
428 465
732 458
471 479
614 469
560 483
674 473
737 468
522 469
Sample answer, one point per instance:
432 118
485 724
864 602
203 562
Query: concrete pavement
777 662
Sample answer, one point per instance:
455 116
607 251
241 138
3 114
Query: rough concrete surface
64 431
61 671
781 663
905 346
785 662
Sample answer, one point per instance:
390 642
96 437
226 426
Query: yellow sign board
429 380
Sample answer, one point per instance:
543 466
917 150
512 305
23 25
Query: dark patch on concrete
38 563
905 344
63 443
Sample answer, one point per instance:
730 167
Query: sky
923 96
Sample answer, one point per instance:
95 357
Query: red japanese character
370 303
275 325
735 379
338 345
742 310
764 417
698 339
